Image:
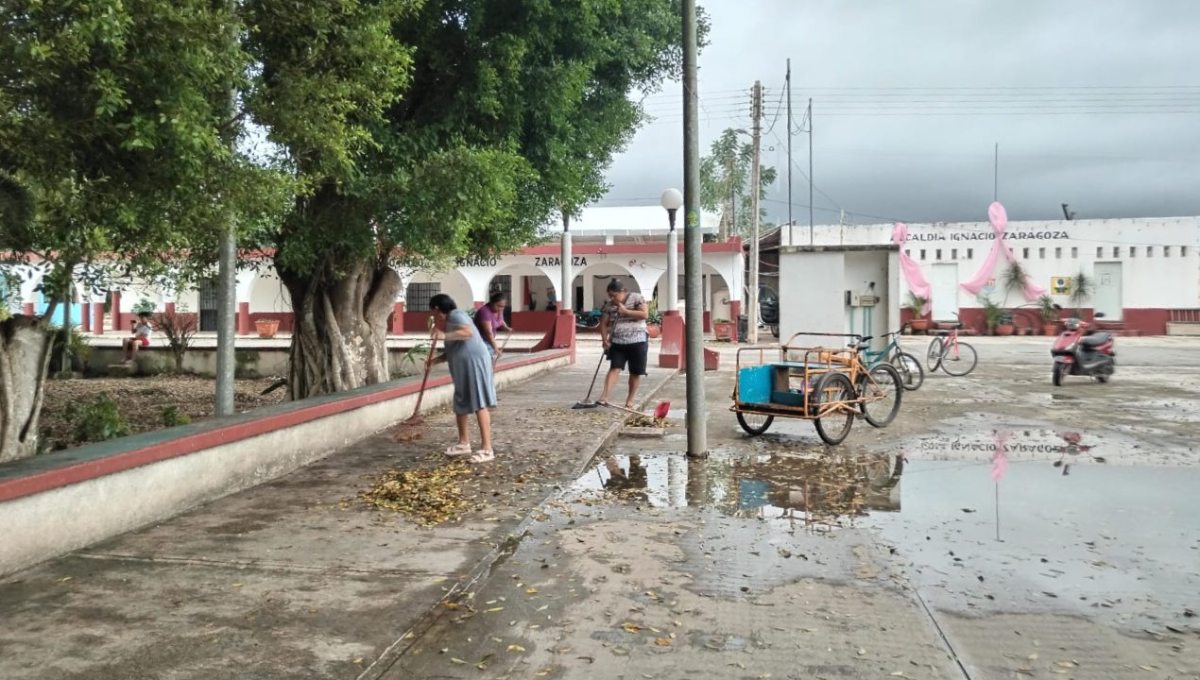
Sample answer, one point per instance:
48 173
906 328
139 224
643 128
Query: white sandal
458 450
483 456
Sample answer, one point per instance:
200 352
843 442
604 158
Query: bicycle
946 350
911 374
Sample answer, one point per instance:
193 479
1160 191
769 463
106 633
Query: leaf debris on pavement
429 495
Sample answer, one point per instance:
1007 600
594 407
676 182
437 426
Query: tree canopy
725 182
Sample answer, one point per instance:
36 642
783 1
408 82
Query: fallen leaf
531 591
631 627
662 642
494 609
516 648
456 660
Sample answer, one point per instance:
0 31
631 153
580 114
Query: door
945 292
208 305
1108 290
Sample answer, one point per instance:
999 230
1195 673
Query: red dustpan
661 411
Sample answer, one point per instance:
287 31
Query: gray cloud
1074 92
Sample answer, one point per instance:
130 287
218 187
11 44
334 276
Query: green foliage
143 306
411 357
725 177
96 420
180 328
1082 288
172 417
1046 309
993 314
1014 278
916 304
653 316
16 204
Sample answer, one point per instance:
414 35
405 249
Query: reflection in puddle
818 490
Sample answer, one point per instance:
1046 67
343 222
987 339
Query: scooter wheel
1060 369
1102 378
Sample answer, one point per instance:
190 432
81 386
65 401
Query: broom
416 418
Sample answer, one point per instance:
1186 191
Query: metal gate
209 298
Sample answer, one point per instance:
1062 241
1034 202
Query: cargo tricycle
830 386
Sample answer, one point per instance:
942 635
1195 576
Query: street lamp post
672 200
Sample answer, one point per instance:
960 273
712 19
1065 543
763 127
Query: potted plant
1081 289
723 329
653 320
266 327
1015 279
1049 314
993 314
1004 325
916 306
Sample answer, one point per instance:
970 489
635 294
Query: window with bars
416 296
1058 253
954 253
1166 251
1149 251
937 254
1182 251
1041 253
1024 253
1074 252
1116 252
1099 251
970 253
922 253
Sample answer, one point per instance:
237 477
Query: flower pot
653 330
723 330
266 327
919 325
1004 329
1049 329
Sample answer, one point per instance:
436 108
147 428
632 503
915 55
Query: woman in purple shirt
490 318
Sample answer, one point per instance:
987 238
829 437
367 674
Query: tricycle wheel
834 388
754 423
880 393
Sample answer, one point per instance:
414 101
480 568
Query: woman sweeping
470 362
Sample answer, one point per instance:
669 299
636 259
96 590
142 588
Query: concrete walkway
299 578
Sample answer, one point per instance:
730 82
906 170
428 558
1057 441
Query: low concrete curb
395 651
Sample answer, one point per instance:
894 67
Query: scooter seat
1095 339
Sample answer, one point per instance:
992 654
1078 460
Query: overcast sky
1095 103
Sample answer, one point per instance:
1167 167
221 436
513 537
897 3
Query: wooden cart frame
830 386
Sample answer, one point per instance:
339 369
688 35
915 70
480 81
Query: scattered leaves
429 495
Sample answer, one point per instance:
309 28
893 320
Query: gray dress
470 364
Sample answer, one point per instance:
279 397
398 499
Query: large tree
725 183
115 122
462 129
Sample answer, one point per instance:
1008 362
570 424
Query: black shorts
633 354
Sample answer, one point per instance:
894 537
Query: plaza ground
582 555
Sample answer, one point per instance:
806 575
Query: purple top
485 314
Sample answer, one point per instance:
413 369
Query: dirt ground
142 401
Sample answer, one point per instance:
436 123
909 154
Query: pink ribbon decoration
999 460
999 219
912 271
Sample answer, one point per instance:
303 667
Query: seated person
141 336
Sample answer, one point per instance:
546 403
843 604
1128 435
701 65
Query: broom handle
428 365
496 359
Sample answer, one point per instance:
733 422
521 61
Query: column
243 318
85 316
398 318
116 310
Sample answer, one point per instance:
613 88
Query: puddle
1119 542
828 490
1029 442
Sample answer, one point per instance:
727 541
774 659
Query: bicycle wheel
912 376
880 391
959 360
754 423
834 426
933 358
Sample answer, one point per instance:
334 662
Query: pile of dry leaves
429 495
646 421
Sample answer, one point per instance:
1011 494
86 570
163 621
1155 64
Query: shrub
172 417
96 420
179 328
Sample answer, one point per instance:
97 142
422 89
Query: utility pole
693 265
810 178
227 286
787 83
755 180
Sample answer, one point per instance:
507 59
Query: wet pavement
999 528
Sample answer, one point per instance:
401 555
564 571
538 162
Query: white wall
811 303
1049 245
861 270
268 294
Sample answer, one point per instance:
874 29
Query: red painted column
243 318
85 316
170 308
398 318
670 348
27 309
116 310
735 310
98 318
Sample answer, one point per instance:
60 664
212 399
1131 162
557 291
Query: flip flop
458 450
483 456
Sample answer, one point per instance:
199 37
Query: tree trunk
340 331
24 363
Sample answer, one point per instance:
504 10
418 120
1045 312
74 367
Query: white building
1146 270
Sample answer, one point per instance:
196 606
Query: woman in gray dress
470 362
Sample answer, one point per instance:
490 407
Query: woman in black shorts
623 332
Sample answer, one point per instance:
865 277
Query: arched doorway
422 286
532 297
588 288
717 300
